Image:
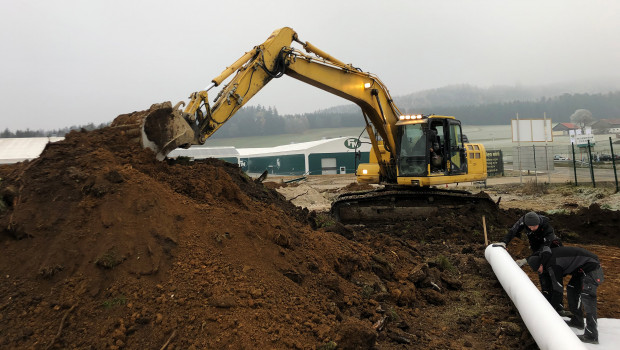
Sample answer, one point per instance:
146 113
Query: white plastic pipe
545 325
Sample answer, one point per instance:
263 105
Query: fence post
501 159
518 152
591 164
572 145
535 167
546 149
547 161
613 161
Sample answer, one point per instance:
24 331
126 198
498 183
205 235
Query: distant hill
498 104
473 105
469 95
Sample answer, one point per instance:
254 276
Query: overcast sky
71 62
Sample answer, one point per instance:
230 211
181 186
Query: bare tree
582 117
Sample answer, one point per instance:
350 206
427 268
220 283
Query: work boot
587 339
563 312
575 324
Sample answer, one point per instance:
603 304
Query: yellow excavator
411 153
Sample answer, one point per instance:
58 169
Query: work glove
499 244
521 262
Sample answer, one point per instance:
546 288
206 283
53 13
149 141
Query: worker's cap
531 219
534 262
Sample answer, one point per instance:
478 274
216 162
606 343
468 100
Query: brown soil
105 248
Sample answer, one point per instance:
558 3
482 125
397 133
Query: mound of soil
122 251
104 247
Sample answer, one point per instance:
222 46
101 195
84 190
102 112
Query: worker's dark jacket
568 260
562 261
543 236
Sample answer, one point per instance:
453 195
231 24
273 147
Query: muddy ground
103 247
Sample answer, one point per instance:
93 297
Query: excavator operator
435 150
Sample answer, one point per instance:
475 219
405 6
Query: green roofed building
321 157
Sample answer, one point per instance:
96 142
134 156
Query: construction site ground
103 247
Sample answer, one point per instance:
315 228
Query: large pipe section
545 325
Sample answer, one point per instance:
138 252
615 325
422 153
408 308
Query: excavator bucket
161 128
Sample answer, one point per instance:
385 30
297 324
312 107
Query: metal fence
594 162
533 159
580 165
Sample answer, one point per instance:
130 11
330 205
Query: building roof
565 126
204 152
13 150
606 123
613 121
323 146
333 145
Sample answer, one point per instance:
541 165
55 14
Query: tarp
13 150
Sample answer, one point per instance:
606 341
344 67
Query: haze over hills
495 105
469 95
499 104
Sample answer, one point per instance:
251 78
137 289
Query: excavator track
391 204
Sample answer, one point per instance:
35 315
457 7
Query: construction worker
586 274
540 234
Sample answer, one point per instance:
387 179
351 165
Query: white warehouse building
339 155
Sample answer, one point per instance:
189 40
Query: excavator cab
430 146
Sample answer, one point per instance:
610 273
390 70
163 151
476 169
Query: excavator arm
255 69
275 58
406 170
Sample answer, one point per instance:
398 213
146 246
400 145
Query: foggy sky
73 62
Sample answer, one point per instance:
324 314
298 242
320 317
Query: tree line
559 109
265 121
49 133
261 121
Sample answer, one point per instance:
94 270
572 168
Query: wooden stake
484 225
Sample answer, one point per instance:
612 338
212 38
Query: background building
13 150
606 126
564 128
328 156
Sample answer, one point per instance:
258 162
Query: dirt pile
104 247
122 251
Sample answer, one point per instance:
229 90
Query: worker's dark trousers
581 289
545 285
